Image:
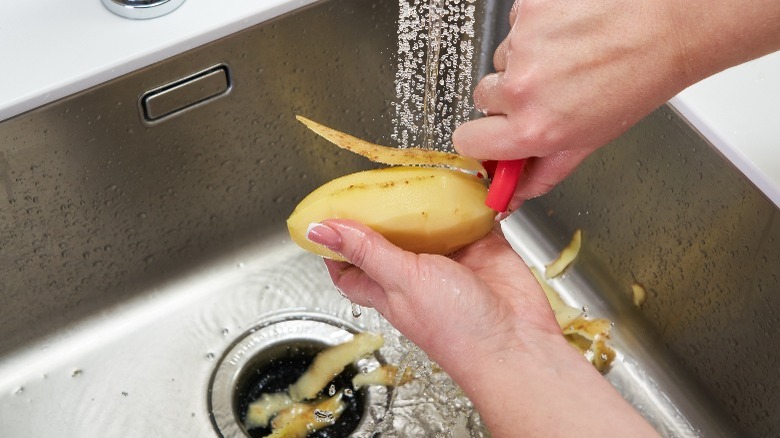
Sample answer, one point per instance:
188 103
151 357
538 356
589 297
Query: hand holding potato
428 202
484 319
570 77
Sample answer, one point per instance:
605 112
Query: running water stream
433 51
435 71
433 96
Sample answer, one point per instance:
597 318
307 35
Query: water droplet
76 373
210 356
332 390
19 390
324 416
356 310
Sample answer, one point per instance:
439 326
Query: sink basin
135 251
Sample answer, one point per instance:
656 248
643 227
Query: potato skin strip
394 156
589 336
566 257
263 409
331 362
296 412
385 375
300 419
564 314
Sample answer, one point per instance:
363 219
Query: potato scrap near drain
384 375
435 210
300 419
296 413
329 363
261 411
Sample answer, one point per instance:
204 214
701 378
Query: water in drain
430 406
278 368
272 356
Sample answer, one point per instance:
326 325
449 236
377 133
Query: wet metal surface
132 256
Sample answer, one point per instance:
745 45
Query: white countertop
738 110
53 48
50 49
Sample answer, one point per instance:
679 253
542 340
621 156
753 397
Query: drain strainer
271 356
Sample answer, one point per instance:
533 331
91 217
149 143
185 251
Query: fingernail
324 235
501 216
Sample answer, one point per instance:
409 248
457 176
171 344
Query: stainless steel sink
136 250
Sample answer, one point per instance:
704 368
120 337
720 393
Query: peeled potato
420 209
422 205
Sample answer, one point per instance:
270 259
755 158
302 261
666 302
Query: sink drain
271 356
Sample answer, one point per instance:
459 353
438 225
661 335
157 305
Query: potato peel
300 419
329 363
638 294
384 375
566 257
564 314
266 407
394 156
589 336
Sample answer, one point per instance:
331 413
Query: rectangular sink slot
185 93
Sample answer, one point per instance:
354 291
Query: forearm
546 389
716 35
483 317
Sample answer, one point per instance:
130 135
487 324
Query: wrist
541 386
503 361
516 389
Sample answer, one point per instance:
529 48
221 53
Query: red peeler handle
505 178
